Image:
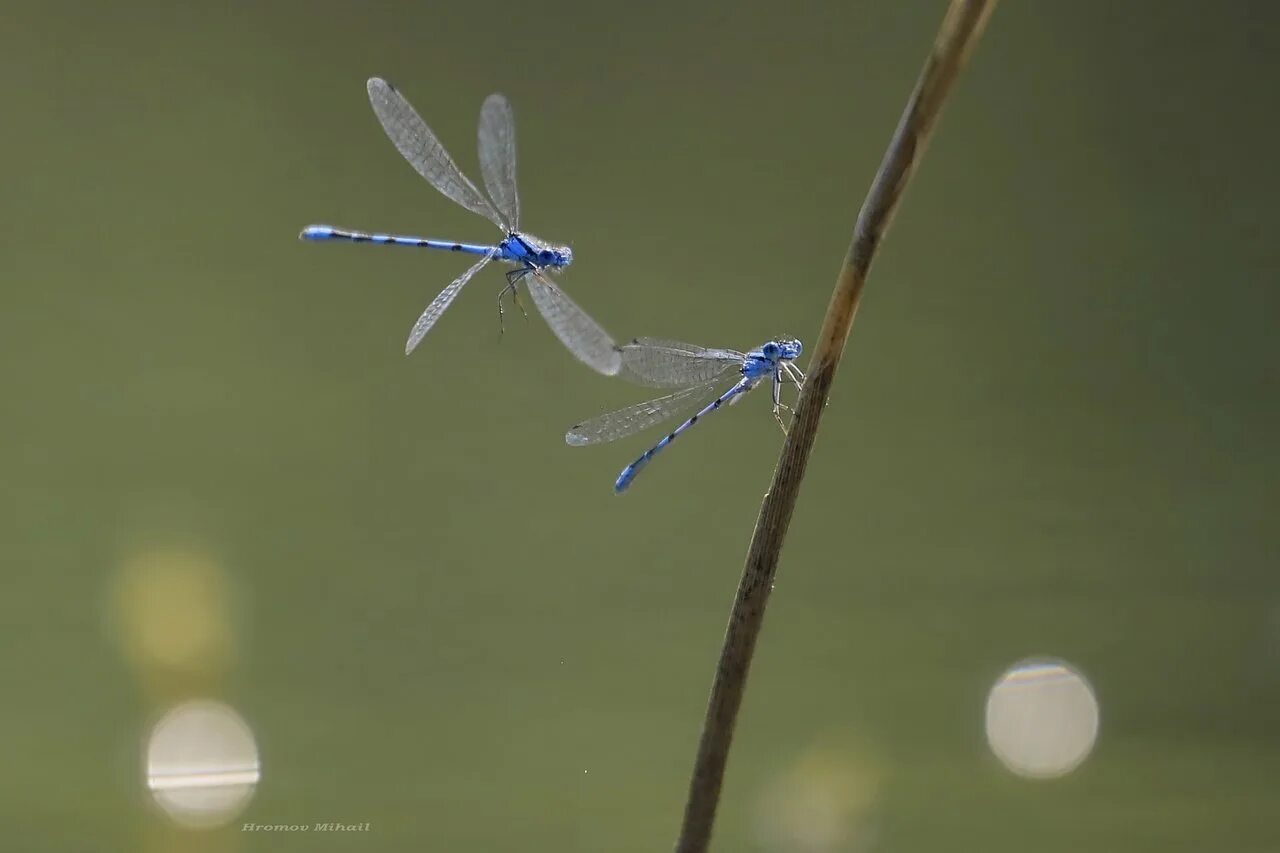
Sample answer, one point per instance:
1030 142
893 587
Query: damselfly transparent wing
497 146
417 144
574 327
441 302
673 364
633 419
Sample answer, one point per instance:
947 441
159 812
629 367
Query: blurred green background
1054 432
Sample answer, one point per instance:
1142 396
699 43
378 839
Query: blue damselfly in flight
533 258
708 378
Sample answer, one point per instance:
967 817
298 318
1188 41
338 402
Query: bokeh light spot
202 764
824 801
172 613
1042 719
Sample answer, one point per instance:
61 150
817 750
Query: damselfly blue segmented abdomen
533 258
319 233
701 374
520 249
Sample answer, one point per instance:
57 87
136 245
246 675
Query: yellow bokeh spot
824 801
172 612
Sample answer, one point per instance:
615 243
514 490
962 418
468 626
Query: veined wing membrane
497 147
417 144
673 364
441 302
582 335
641 416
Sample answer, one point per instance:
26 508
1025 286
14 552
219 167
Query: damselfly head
783 349
791 348
556 256
538 252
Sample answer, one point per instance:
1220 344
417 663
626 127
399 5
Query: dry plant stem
960 30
